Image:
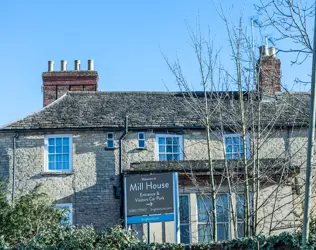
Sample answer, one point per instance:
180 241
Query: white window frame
189 222
246 148
107 139
66 206
144 139
46 161
173 136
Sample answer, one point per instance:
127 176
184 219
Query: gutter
135 128
16 136
121 167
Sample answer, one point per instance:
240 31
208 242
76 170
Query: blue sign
150 218
152 198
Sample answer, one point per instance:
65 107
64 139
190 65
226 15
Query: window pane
59 166
204 208
169 148
185 234
110 136
229 148
169 140
162 149
51 141
169 157
66 141
51 158
240 230
222 208
58 141
51 166
65 149
236 149
236 140
141 136
141 144
175 140
204 233
222 231
66 166
59 149
240 206
67 213
162 140
162 157
59 157
184 209
176 157
176 149
228 140
110 144
66 158
51 149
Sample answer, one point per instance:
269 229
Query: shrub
26 216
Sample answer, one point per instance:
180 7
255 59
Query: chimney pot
272 51
90 65
63 65
263 50
77 65
50 66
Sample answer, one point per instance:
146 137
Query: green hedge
63 237
30 222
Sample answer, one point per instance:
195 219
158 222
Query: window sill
110 149
57 173
145 148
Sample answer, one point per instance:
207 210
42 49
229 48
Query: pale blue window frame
67 214
141 139
234 146
169 147
110 140
58 157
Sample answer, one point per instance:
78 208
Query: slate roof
79 110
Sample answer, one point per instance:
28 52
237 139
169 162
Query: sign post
152 198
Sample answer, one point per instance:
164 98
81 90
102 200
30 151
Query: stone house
79 145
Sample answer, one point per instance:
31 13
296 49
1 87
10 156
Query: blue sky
126 39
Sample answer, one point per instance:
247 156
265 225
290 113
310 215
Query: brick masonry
56 84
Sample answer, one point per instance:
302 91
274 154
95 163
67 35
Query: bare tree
292 20
265 182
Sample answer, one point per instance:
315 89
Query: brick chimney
268 68
57 83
